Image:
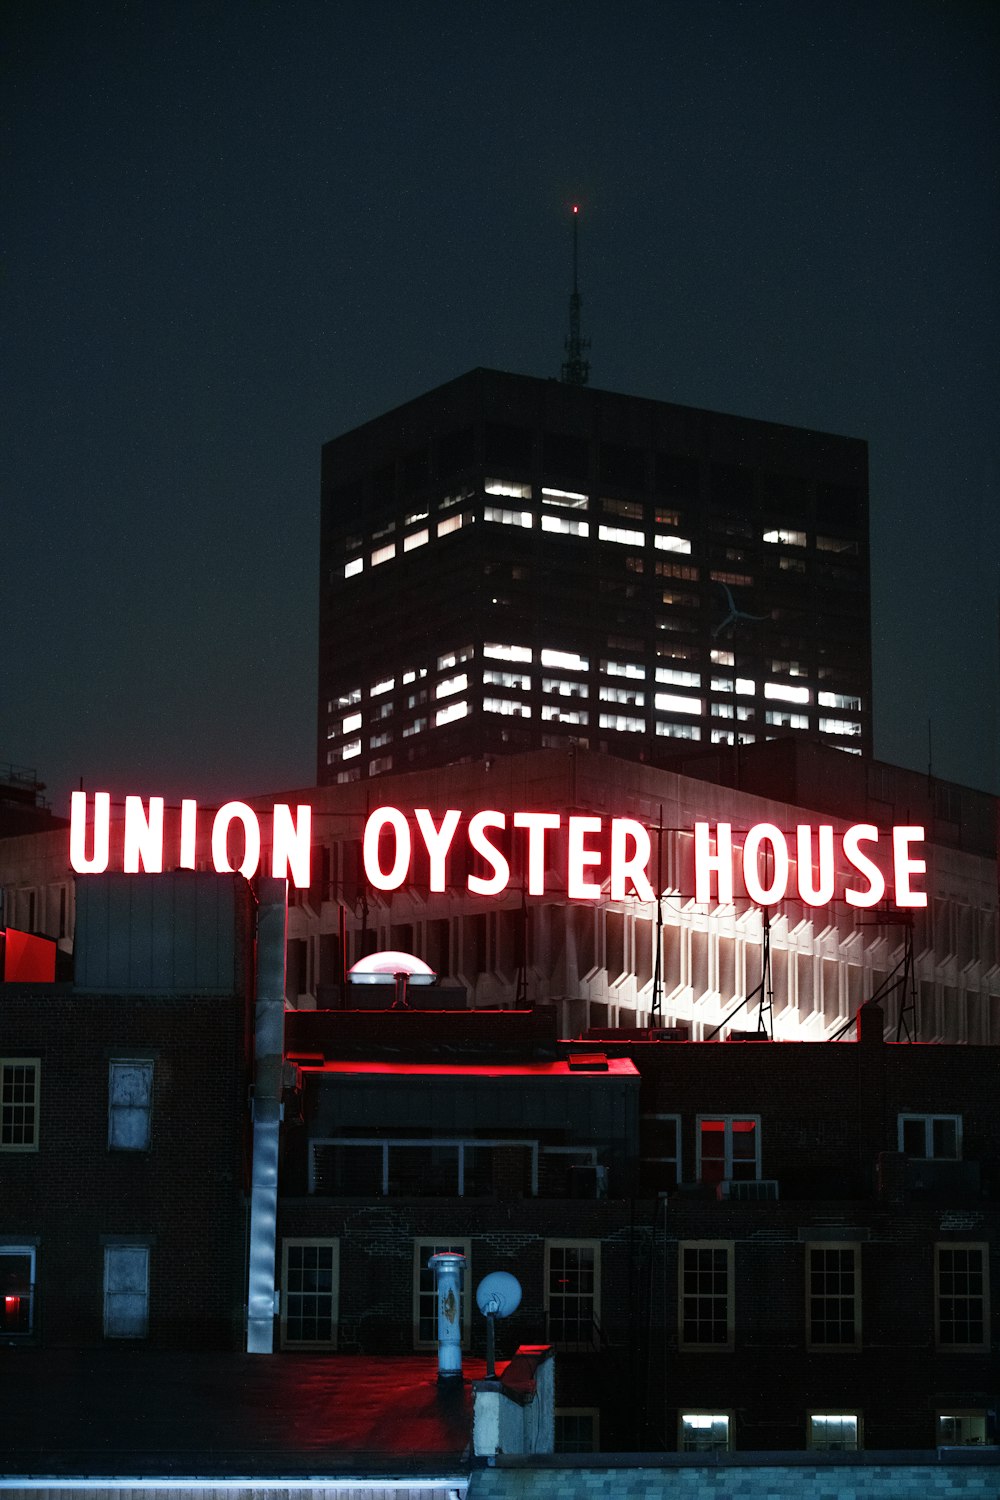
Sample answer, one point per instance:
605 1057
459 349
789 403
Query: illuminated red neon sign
591 852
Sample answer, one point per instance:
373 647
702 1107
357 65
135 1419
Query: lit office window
507 680
415 728
569 661
622 535
508 517
723 658
623 723
677 703
631 696
416 539
839 700
352 722
839 726
351 750
961 1427
383 554
567 499
509 488
564 688
722 711
834 1432
786 694
506 653
624 669
385 686
554 713
346 700
786 538
449 714
704 1431
784 719
452 523
450 685
509 706
353 568
674 677
453 659
670 543
565 526
678 731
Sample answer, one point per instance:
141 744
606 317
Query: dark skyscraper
512 563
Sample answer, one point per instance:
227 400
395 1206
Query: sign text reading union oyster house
581 853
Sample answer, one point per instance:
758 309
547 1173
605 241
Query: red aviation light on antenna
576 208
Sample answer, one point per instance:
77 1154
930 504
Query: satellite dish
498 1294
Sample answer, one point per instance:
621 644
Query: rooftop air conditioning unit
762 1190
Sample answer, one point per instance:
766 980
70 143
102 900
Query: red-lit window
17 1290
728 1148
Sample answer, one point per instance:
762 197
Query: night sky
235 230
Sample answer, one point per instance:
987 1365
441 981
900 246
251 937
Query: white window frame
299 1242
983 1347
424 1246
816 1346
30 1251
927 1120
818 1414
109 1253
594 1246
116 1111
593 1413
962 1414
686 1412
728 1121
699 1346
34 1063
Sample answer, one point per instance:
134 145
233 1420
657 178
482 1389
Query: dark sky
234 230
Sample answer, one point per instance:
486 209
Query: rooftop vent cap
384 968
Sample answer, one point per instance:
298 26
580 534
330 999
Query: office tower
510 563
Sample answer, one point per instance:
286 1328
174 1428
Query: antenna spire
576 369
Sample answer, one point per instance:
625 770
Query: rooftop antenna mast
576 369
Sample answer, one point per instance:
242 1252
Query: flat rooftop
140 1412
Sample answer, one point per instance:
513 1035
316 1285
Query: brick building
124 1144
731 1246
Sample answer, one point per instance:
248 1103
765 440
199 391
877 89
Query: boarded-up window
126 1291
130 1105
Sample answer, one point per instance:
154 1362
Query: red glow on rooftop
621 1066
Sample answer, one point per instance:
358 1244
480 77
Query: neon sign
588 853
